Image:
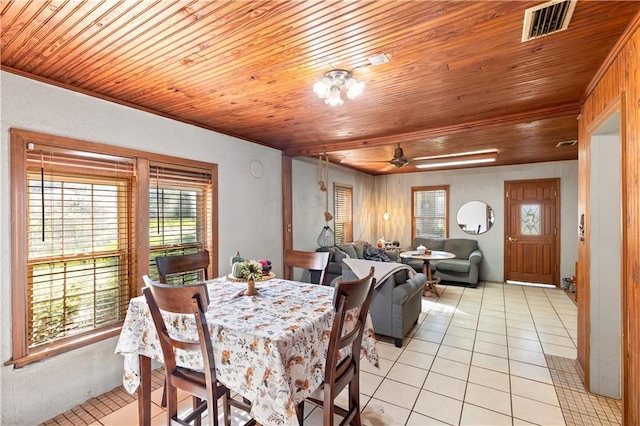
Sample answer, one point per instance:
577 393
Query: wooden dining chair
315 262
350 298
206 390
184 264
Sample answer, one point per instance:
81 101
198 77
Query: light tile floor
498 354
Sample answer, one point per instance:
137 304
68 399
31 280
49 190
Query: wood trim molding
611 56
287 206
490 123
584 252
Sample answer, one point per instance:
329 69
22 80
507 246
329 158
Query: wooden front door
532 235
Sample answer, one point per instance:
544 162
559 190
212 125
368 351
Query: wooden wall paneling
620 80
631 221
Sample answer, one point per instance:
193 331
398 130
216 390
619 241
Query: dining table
269 348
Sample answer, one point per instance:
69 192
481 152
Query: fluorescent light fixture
477 157
459 154
455 163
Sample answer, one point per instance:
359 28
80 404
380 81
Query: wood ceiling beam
572 109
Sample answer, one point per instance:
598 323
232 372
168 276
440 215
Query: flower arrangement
266 266
251 270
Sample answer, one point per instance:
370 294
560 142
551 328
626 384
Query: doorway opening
605 270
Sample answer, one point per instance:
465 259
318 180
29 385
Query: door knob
511 239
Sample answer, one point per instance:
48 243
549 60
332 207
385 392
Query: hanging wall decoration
326 237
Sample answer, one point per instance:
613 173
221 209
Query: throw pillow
375 253
359 247
339 255
348 248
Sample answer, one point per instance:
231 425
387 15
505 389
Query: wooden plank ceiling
459 78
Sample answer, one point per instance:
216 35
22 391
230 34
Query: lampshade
330 86
326 237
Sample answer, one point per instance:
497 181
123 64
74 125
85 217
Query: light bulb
386 216
354 88
334 97
321 87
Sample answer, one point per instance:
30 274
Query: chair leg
300 413
354 400
226 408
196 404
172 403
163 403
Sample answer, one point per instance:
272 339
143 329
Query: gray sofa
354 250
396 303
464 268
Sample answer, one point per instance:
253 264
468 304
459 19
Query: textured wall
483 184
249 220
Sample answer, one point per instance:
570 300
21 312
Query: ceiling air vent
547 18
566 143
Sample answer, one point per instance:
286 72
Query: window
179 215
80 242
430 211
343 213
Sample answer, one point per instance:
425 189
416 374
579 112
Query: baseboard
580 371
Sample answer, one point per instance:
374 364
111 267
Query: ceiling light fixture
458 154
330 86
476 157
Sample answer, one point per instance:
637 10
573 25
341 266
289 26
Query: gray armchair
396 303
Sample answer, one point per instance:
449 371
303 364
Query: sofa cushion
461 247
359 247
453 265
348 249
339 255
374 253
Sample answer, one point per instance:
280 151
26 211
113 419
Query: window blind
343 213
80 264
179 214
430 212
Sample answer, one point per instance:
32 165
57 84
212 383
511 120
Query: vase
251 288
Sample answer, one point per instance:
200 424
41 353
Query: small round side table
430 285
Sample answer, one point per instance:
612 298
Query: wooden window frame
23 355
349 233
415 189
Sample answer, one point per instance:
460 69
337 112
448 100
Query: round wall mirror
475 217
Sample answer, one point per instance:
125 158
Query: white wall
309 202
605 246
250 219
482 184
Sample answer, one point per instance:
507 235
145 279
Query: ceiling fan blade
387 168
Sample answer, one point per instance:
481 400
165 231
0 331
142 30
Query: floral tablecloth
269 348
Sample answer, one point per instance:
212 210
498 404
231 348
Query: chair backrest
350 298
183 263
189 300
312 260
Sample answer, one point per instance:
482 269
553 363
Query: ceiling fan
439 161
398 160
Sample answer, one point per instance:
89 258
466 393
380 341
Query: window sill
66 345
